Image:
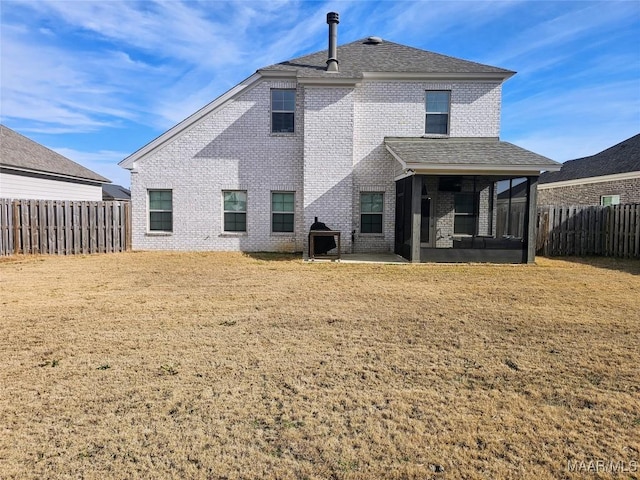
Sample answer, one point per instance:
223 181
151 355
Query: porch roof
465 156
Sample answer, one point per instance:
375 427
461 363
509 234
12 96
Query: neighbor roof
20 153
621 158
115 192
519 190
481 154
364 56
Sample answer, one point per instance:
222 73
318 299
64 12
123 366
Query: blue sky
97 80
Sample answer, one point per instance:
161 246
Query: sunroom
446 199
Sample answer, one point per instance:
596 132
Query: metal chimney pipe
333 19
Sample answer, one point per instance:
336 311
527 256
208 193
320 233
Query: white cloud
104 162
110 65
576 123
562 33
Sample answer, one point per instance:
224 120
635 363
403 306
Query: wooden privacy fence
510 218
64 227
589 230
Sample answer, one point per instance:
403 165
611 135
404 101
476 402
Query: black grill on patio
322 240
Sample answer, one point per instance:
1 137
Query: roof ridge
362 56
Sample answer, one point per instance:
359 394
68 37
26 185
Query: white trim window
282 211
371 211
283 110
160 210
608 200
437 106
235 210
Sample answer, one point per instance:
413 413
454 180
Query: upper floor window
283 109
282 211
437 112
160 211
235 210
371 210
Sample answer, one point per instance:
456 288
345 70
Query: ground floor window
371 210
160 211
466 216
235 210
282 211
607 200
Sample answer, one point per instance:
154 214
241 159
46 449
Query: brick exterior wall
231 149
589 194
336 152
397 109
328 159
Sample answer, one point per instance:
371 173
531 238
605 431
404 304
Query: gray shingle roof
17 151
363 56
518 191
621 158
481 152
115 192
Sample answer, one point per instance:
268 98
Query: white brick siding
336 152
328 159
231 149
397 109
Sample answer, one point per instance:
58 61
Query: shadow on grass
627 265
274 257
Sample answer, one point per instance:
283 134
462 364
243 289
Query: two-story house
395 147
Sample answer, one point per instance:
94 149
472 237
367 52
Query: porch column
531 218
416 217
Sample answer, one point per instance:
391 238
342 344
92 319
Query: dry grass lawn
229 366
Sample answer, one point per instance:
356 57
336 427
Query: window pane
281 122
438 102
608 200
282 202
283 222
235 222
160 221
465 225
235 201
371 223
464 203
437 123
283 100
160 200
371 202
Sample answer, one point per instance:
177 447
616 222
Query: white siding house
398 149
29 170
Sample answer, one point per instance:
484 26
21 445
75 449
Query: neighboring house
395 147
29 170
112 192
608 178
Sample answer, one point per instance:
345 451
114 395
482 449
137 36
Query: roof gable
364 56
356 60
20 153
621 158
